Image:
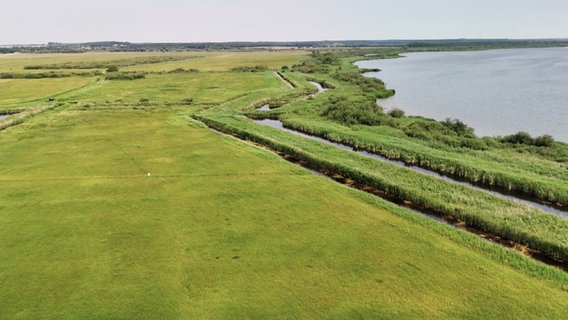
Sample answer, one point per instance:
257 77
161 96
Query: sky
71 21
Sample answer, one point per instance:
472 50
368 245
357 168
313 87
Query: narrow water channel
546 208
265 107
535 254
2 116
318 86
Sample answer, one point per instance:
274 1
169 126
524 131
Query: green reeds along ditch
528 226
274 122
525 174
22 116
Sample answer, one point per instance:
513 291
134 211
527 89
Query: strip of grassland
203 87
484 211
24 115
523 173
24 92
226 60
222 229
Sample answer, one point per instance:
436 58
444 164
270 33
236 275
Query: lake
497 92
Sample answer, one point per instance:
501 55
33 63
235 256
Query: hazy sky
41 21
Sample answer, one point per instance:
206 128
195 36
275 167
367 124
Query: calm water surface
497 92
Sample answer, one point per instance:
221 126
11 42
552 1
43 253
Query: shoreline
461 110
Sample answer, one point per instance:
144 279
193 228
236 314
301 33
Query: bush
112 69
520 137
186 101
50 74
182 70
523 138
328 58
125 76
351 112
396 113
257 68
458 127
544 141
373 86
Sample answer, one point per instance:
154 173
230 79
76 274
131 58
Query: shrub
257 68
112 69
328 58
396 113
317 63
351 112
186 101
544 141
182 70
523 138
458 127
520 137
373 86
125 76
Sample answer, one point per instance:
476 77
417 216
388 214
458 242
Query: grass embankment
484 211
224 229
21 115
504 169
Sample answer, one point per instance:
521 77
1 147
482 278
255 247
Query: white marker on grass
148 174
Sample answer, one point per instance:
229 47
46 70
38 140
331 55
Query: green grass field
21 92
221 228
204 61
223 61
173 88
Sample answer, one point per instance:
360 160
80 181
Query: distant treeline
114 46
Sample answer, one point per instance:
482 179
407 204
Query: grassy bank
223 229
504 169
523 224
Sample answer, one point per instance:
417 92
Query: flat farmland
173 88
17 92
